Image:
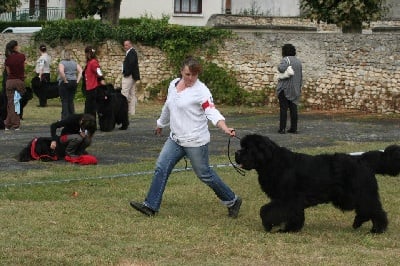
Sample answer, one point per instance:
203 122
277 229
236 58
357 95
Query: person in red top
93 79
15 68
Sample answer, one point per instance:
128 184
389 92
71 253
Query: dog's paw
375 230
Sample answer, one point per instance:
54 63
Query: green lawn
49 224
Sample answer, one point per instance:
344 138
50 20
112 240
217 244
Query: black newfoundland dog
39 149
295 181
112 108
44 90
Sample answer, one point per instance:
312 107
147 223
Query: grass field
81 216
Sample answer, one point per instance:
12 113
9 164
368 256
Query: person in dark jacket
131 74
76 133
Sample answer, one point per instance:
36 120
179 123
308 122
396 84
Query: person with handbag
290 81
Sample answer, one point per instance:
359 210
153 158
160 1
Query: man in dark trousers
131 74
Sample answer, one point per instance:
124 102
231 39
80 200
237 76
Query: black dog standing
296 181
44 90
112 108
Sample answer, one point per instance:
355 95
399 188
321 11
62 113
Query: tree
347 14
9 5
108 10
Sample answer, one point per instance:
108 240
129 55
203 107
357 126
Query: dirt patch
138 143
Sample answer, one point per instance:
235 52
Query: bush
222 84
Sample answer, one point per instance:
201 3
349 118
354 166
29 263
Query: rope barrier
48 182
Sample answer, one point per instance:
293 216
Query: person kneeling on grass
76 134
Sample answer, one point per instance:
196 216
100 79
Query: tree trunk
111 14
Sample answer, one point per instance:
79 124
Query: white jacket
187 113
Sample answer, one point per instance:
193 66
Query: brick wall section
341 71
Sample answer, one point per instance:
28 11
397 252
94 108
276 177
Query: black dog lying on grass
39 149
295 181
112 108
44 90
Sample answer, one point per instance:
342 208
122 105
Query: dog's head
392 160
104 93
255 151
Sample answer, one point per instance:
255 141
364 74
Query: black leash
239 170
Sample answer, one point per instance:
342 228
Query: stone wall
341 71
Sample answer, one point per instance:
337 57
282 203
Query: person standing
289 89
131 74
42 68
70 73
15 68
188 108
93 79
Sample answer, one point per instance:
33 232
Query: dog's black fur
25 98
295 181
112 108
44 90
42 149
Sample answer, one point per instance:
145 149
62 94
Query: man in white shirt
42 68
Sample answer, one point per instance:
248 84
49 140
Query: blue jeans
67 94
198 156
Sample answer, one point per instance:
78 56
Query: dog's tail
386 162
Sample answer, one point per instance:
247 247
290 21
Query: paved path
138 142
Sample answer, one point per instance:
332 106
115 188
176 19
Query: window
188 6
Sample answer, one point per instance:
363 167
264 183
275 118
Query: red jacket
92 74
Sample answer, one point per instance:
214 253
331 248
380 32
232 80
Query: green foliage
88 31
9 5
222 84
345 13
